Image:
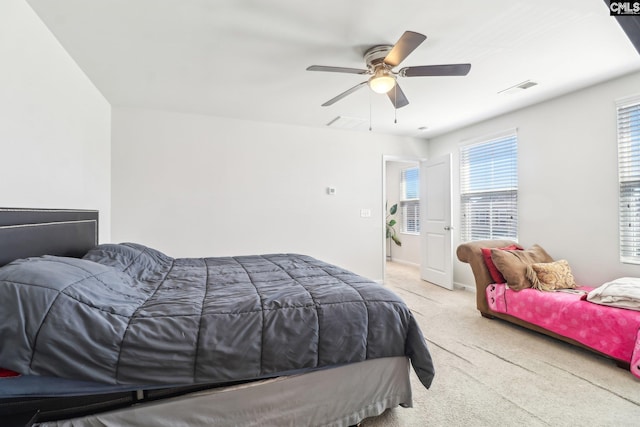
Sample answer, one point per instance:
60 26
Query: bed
282 367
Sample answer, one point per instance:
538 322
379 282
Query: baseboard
401 261
459 285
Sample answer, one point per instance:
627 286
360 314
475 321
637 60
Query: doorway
409 250
430 247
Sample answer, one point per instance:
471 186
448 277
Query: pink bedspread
610 330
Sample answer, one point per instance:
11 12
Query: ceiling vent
343 122
519 87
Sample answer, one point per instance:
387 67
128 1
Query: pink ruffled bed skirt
610 330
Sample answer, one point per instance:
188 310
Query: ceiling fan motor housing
375 55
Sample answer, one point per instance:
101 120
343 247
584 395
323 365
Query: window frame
409 203
628 142
495 214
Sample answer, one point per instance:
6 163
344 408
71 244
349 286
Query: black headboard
35 232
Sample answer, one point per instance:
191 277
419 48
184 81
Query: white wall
193 185
409 252
568 192
54 124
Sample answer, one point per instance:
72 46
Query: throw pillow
493 270
550 276
513 264
6 373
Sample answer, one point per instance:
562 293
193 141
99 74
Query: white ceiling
247 58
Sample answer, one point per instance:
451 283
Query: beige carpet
492 373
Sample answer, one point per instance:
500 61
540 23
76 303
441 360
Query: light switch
365 213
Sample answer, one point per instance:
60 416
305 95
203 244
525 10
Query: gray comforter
130 314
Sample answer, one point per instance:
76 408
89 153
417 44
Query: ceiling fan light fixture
382 81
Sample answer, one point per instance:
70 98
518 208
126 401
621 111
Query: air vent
343 122
519 87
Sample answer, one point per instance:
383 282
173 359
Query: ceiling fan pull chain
395 109
369 111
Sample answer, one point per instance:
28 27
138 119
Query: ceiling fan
381 59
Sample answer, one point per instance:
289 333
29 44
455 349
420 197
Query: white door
436 265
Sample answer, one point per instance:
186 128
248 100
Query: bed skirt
336 397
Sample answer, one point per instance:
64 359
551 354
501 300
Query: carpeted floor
492 373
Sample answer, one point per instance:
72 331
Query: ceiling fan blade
343 94
407 44
436 70
397 97
337 69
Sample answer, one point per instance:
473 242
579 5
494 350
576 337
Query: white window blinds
629 178
489 189
410 203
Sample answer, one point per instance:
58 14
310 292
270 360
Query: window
489 189
629 178
410 203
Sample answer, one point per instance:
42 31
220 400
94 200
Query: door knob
448 227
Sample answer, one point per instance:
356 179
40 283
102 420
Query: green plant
391 231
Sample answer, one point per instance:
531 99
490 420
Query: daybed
122 334
563 314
